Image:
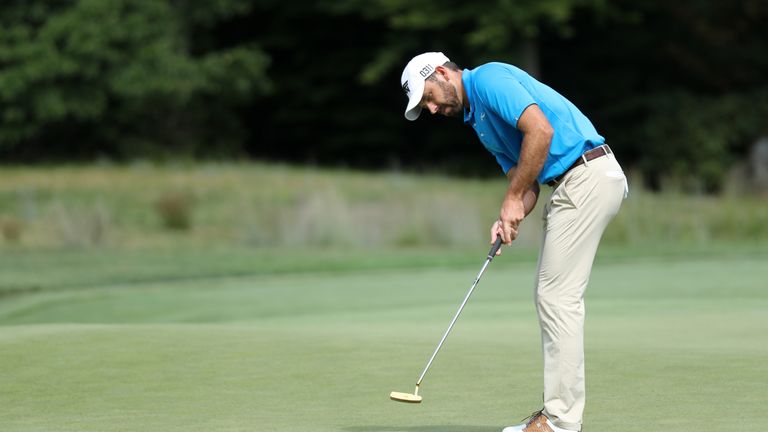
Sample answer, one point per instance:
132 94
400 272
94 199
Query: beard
452 106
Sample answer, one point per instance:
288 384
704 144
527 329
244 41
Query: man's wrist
513 194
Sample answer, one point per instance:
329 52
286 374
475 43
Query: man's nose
432 107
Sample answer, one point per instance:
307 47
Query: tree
678 88
118 77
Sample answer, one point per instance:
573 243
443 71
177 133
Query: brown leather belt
587 156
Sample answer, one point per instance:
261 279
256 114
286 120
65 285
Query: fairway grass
676 344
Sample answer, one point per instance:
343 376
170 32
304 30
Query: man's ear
442 70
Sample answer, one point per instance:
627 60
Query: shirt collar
466 80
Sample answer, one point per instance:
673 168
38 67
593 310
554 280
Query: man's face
440 97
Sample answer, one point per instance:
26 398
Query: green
678 342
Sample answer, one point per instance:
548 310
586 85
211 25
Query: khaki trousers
575 217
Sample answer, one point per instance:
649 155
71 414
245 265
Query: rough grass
259 205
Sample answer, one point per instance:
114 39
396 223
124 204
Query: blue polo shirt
498 94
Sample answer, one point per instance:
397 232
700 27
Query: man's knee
560 309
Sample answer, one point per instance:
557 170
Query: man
538 137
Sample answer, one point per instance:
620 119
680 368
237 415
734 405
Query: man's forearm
537 135
533 154
530 197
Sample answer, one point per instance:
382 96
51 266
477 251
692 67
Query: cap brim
413 110
413 113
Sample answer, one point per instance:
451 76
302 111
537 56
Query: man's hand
495 233
512 214
528 202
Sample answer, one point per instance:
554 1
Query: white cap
415 73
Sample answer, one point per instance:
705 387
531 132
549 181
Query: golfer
537 137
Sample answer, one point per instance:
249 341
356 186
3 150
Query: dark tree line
678 88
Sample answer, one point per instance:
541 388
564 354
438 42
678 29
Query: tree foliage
122 75
678 88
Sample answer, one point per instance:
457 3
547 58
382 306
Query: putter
416 397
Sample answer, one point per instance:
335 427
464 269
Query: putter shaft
491 254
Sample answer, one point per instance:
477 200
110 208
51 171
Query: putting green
678 345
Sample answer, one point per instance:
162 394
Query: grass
266 206
297 299
253 205
674 342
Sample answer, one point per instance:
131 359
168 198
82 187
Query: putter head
405 397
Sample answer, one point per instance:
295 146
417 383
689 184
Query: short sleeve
504 95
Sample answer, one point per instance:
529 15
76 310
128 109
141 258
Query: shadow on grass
443 428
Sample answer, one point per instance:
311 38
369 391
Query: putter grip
494 248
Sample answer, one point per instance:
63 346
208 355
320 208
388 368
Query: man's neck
464 98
